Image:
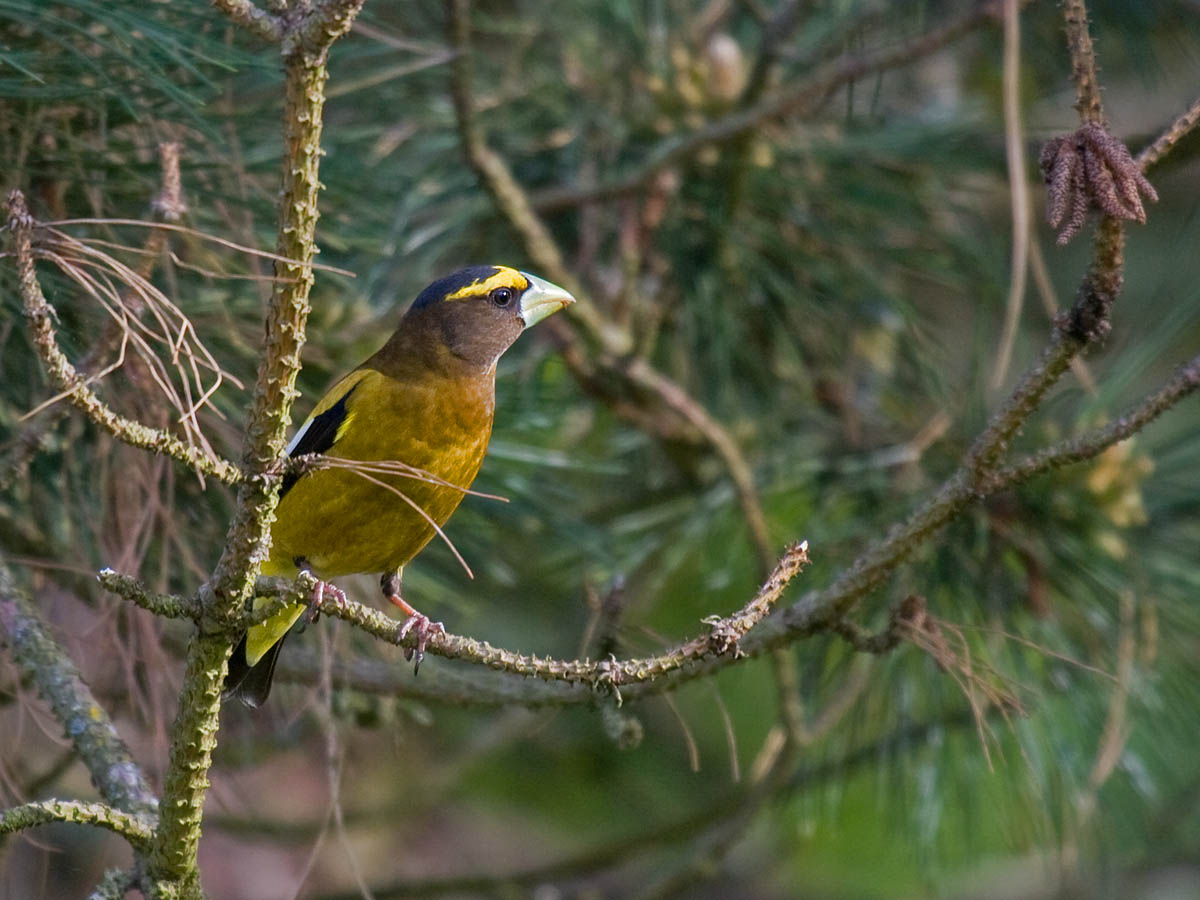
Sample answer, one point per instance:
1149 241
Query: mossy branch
723 639
172 863
135 829
112 768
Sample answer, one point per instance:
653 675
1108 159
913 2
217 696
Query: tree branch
1091 444
135 829
257 21
64 376
169 606
172 864
905 739
612 363
723 639
1183 124
816 612
111 766
1083 63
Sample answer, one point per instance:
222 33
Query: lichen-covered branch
167 207
65 377
172 859
723 639
135 829
167 605
112 768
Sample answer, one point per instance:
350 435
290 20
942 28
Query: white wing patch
297 436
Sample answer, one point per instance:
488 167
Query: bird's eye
501 296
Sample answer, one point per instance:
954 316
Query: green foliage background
827 288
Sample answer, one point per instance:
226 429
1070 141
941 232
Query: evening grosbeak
417 415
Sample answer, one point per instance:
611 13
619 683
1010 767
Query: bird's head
479 311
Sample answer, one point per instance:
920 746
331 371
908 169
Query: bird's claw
320 589
419 625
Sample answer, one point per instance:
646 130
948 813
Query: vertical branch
270 411
193 739
1083 63
172 868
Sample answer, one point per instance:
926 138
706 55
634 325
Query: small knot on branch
724 636
1087 170
726 633
1088 319
17 211
607 679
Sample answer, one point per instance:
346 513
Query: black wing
318 436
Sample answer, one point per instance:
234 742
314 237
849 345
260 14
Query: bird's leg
418 623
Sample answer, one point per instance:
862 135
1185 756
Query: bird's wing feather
322 429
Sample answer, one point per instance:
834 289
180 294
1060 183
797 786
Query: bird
402 438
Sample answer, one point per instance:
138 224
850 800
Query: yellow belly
344 521
341 522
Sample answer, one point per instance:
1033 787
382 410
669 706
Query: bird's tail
252 665
251 684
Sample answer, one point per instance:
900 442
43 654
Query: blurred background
832 287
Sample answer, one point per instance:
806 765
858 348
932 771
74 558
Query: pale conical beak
541 299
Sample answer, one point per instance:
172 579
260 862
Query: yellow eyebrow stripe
505 277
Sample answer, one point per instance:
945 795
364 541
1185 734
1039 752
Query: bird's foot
320 589
419 624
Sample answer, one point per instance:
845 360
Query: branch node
607 678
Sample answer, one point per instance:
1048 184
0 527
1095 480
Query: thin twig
67 379
1083 63
204 236
1183 124
1087 446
